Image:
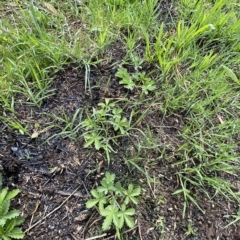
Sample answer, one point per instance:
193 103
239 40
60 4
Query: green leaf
4 207
88 143
19 220
97 143
91 203
12 194
129 211
136 191
5 238
95 193
12 214
129 221
3 195
2 221
10 224
111 214
16 233
121 221
110 177
107 223
124 215
119 189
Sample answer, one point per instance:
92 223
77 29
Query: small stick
37 205
54 210
91 238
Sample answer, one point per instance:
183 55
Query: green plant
9 219
190 230
236 216
130 80
112 201
100 123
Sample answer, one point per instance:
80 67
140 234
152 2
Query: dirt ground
56 176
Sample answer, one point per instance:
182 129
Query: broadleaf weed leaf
91 203
119 189
98 198
129 221
131 193
91 138
124 215
111 214
110 177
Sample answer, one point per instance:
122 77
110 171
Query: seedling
130 81
99 124
9 219
112 201
237 218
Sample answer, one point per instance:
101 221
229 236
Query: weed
130 80
9 219
100 123
112 201
236 216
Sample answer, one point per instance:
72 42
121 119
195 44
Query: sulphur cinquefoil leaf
91 203
4 207
12 194
2 221
107 223
19 220
3 195
129 221
10 224
12 214
16 233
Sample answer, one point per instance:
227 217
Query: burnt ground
55 173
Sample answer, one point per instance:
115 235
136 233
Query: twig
96 237
139 230
54 210
37 205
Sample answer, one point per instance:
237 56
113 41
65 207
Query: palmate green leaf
119 189
96 194
99 198
111 214
110 177
124 216
130 193
12 194
16 233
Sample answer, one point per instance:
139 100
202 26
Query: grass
194 62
